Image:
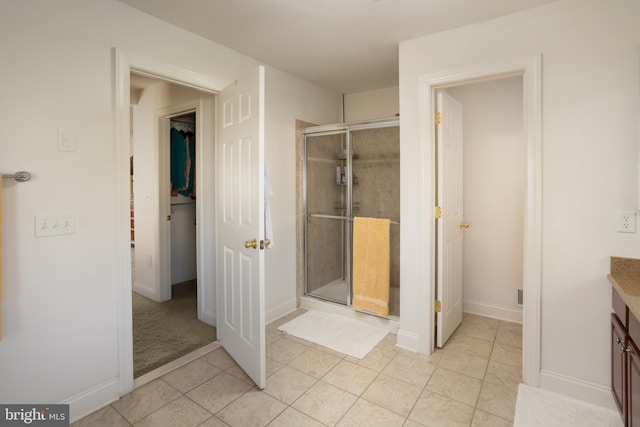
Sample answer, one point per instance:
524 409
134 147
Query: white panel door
240 276
450 226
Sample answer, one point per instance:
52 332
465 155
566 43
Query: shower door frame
345 129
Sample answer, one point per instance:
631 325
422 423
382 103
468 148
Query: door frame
530 68
125 63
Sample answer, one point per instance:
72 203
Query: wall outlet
626 222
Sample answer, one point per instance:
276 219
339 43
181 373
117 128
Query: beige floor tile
411 423
477 331
388 343
506 355
329 351
181 412
468 345
288 384
270 337
285 350
364 413
455 386
350 377
105 417
409 369
314 362
240 374
484 419
393 394
466 364
435 410
254 408
191 375
325 403
498 401
218 392
273 366
475 319
376 359
145 400
292 417
219 358
503 375
214 422
510 334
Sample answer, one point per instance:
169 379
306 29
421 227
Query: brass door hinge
437 212
438 118
437 306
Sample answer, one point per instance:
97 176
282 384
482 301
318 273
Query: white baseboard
577 388
495 311
282 309
408 340
93 399
209 317
145 291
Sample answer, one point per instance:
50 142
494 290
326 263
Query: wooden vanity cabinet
625 362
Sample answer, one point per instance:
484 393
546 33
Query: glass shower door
327 211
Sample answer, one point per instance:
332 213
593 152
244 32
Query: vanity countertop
625 279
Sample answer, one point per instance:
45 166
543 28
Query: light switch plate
66 140
48 225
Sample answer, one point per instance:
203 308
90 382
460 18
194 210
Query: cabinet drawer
620 308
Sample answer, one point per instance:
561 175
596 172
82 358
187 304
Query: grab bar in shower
343 217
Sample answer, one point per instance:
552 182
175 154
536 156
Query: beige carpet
165 331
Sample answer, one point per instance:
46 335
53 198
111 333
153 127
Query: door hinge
437 306
438 118
437 212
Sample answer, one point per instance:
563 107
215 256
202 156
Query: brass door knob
464 225
251 244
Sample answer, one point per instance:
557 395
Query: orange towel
371 265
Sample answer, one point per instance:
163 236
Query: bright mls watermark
34 415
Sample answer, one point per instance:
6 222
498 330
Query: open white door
450 225
240 225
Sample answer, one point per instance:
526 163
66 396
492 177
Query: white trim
274 313
124 63
577 388
93 399
175 364
530 68
495 311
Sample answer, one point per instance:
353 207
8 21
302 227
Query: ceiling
346 46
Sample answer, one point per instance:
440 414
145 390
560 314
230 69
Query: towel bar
343 217
21 176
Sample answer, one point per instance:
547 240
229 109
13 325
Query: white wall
60 294
590 163
374 104
494 184
288 98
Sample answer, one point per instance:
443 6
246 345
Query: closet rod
21 176
180 121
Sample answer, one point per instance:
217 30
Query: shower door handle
251 244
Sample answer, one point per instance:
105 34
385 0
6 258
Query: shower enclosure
349 170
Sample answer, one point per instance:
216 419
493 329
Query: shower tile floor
473 381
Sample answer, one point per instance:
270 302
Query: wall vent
519 296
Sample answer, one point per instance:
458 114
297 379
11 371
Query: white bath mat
537 407
338 333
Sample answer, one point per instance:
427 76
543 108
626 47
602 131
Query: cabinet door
619 365
633 390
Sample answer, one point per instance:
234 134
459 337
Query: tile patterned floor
473 381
